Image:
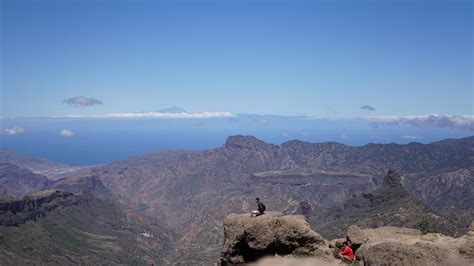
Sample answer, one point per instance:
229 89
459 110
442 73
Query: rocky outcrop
388 205
60 228
92 184
247 239
19 211
468 248
403 246
276 239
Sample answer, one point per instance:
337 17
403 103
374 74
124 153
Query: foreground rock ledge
403 246
247 239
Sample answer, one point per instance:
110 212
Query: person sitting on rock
345 252
260 209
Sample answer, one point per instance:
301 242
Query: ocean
96 141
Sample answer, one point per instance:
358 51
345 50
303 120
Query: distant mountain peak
173 109
240 141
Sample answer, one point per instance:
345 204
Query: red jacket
348 252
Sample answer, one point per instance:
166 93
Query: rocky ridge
390 204
295 178
61 228
18 211
247 239
275 239
403 246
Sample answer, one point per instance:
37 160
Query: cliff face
274 239
389 204
60 228
406 247
247 239
19 211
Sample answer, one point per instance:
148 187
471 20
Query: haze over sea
81 80
94 141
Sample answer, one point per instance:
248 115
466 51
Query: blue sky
319 58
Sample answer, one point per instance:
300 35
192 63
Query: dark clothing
261 207
347 242
353 246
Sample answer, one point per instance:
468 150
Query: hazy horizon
86 82
88 141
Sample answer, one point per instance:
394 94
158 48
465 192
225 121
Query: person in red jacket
346 252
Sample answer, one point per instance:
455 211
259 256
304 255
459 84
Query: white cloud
159 115
66 133
426 121
345 136
411 137
259 120
367 108
82 101
13 131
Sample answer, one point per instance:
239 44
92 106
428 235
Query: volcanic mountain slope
55 227
389 204
16 181
191 192
449 191
35 164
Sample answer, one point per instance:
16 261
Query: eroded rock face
388 205
19 211
403 246
390 253
468 248
392 179
247 239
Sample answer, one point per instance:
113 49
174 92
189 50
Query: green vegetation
300 253
79 229
65 238
6 197
426 227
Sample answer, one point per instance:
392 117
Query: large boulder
247 239
467 249
393 253
403 246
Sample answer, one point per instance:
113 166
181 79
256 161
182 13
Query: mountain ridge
292 177
388 205
199 188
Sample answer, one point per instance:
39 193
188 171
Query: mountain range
187 194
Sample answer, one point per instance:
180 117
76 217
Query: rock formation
275 239
18 211
61 228
248 239
402 246
388 205
295 178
